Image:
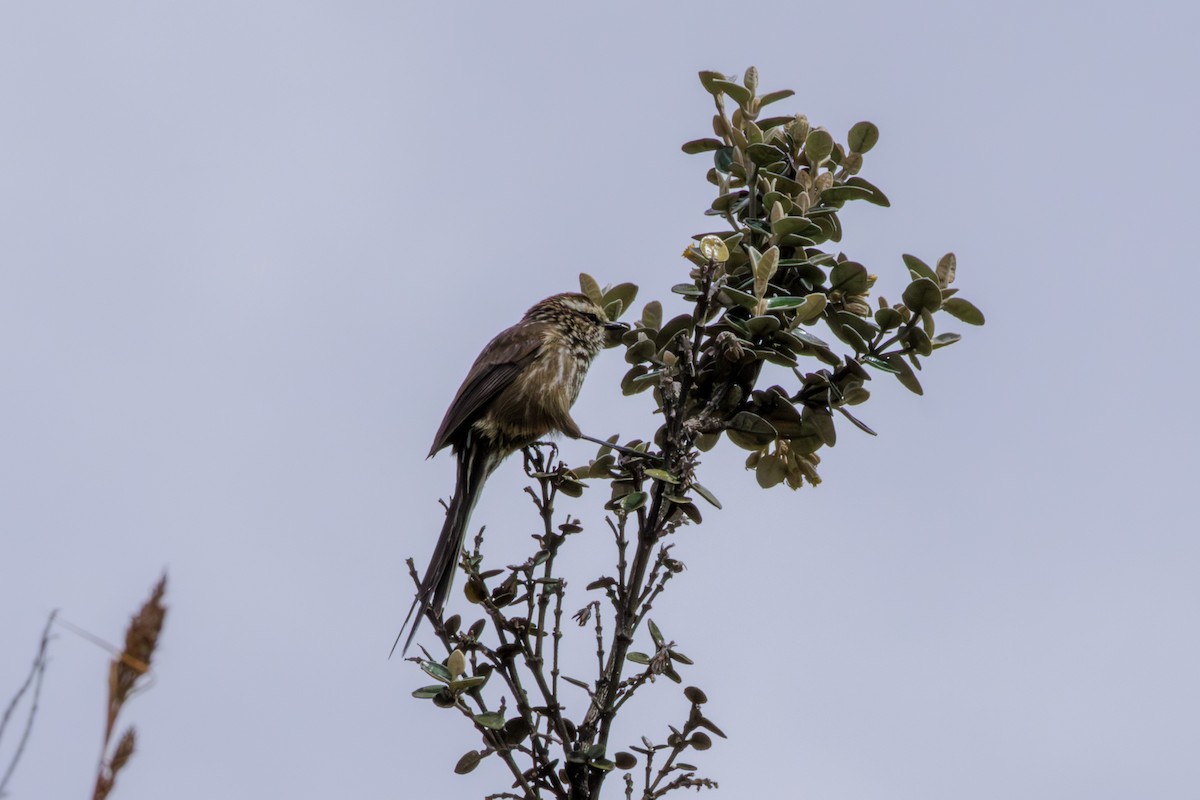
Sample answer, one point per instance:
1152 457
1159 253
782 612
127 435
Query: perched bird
520 388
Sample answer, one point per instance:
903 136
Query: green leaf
811 310
632 383
779 357
879 364
764 269
701 146
918 341
772 197
706 494
736 297
642 350
828 226
740 94
762 327
745 422
849 276
904 374
918 268
589 287
652 315
516 730
661 475
655 633
863 136
846 192
770 471
493 720
862 426
633 501
785 303
791 225
783 183
945 339
723 159
773 122
467 683
851 337
808 338
864 327
964 310
947 266
785 418
877 196
469 761
676 326
923 294
764 154
888 318
638 658
570 488
747 441
708 78
689 290
690 511
772 97
437 671
818 145
750 79
624 293
728 203
426 692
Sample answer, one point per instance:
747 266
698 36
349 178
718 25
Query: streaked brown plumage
520 388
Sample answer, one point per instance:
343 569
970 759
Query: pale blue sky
248 251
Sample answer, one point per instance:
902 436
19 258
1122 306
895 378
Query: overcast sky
248 252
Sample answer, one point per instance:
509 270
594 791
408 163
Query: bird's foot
620 448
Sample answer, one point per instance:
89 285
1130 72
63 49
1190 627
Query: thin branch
36 674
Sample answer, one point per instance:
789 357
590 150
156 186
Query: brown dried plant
124 679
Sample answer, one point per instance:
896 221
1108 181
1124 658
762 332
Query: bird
519 390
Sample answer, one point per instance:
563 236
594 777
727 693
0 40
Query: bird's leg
626 450
620 449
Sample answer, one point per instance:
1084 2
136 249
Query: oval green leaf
964 310
701 146
923 294
469 761
862 137
818 145
493 720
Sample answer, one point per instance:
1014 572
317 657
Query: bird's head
575 309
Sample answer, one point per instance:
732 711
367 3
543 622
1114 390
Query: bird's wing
495 368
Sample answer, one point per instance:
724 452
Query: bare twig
34 679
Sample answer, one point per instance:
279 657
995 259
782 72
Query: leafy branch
754 294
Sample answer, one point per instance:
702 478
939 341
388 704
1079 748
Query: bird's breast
539 400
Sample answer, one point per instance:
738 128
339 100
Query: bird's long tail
475 463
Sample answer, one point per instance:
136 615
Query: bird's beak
613 331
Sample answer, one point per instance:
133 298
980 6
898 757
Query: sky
248 252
